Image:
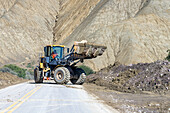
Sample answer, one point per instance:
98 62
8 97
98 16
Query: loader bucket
89 50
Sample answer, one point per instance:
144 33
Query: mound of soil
134 78
7 79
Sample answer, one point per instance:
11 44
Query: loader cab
54 49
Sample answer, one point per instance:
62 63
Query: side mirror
68 50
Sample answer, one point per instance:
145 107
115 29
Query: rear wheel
38 77
61 75
81 76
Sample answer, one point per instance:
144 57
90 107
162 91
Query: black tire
71 72
73 81
38 77
81 76
67 75
61 75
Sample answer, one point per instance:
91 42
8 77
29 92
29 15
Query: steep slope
134 31
26 26
72 13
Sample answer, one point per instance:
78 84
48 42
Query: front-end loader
59 62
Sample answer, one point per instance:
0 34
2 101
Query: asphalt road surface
50 98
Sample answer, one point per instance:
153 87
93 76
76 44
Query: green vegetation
19 71
30 65
168 57
87 69
7 70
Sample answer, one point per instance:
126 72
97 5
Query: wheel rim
60 75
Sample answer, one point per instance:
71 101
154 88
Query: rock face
72 13
134 31
26 26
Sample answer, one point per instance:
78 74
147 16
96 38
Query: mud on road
129 102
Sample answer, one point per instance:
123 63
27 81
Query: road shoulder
129 102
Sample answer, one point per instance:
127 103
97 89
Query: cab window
58 50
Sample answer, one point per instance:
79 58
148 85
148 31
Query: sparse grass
7 70
87 69
168 57
30 65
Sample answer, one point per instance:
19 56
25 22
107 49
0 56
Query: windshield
58 51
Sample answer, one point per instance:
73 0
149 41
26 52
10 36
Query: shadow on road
48 82
41 83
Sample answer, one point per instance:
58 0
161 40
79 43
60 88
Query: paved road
49 97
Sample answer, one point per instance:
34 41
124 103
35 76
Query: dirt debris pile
134 78
7 79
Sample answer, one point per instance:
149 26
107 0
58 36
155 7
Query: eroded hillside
26 26
134 31
72 14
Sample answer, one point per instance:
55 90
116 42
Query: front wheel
38 78
81 76
61 75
